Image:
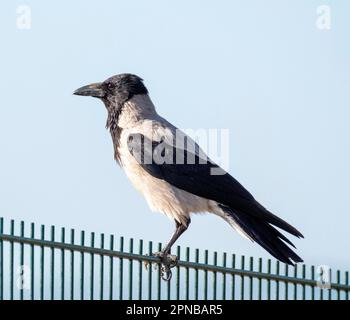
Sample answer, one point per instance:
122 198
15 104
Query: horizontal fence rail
36 264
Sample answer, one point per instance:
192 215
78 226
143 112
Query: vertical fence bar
72 266
140 269
82 266
42 263
242 278
347 284
330 289
111 247
102 245
168 284
131 250
303 286
21 255
178 253
150 249
92 267
286 283
321 292
277 281
295 296
224 258
233 280
12 233
1 260
313 287
159 279
215 261
260 281
63 235
251 268
52 265
338 282
196 276
121 269
187 274
32 235
206 276
269 281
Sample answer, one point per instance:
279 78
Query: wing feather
195 175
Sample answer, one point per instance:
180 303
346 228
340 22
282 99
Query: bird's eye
110 86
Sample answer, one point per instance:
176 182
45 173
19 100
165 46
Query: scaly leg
169 261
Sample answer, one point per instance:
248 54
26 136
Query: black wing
190 171
197 174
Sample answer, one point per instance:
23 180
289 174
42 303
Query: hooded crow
175 175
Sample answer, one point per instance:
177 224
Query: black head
115 90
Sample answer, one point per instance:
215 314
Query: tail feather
261 213
261 231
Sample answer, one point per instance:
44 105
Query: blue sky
258 68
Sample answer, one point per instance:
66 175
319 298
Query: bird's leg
169 261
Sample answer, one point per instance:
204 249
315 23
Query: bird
175 175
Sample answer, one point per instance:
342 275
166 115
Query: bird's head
114 91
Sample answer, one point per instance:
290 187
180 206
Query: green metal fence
47 263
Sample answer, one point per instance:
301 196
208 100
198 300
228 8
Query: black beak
92 90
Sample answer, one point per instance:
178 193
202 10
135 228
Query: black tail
260 230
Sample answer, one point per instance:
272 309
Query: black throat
114 129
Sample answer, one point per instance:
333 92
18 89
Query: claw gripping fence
51 263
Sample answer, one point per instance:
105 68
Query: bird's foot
168 261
